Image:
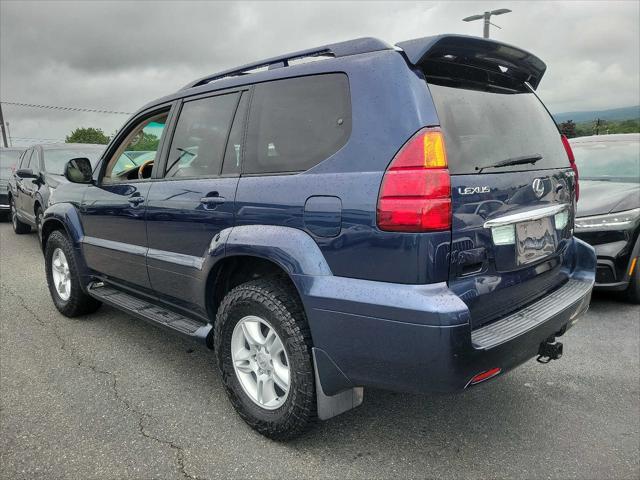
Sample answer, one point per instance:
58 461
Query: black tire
275 300
633 290
18 227
78 303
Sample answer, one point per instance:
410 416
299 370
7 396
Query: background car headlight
610 221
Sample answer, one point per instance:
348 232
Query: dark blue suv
346 216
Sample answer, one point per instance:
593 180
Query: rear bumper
4 201
418 338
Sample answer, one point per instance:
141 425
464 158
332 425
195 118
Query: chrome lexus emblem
538 187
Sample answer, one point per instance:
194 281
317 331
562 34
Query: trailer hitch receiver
549 350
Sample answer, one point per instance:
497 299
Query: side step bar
149 312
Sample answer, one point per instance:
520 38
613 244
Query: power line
69 109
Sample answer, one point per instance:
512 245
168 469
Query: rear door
512 195
195 197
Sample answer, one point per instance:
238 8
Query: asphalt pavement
108 396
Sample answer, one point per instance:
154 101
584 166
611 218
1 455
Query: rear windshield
482 128
615 161
56 159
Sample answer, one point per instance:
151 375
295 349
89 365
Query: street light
486 16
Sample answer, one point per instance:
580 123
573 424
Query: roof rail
341 49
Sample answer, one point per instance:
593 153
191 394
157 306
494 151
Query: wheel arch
63 217
254 251
233 270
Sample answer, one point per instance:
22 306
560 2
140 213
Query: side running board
149 312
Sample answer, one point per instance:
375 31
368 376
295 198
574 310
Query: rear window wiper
532 159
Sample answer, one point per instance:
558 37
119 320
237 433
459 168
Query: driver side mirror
26 173
79 170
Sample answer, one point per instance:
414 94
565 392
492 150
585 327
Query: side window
200 137
20 159
134 158
26 159
296 123
34 163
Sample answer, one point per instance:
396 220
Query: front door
30 186
22 185
196 197
113 210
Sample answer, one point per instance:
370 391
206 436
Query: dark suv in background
347 216
9 157
609 209
37 174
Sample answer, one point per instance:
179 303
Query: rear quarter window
296 123
484 127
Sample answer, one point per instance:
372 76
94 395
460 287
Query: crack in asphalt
71 352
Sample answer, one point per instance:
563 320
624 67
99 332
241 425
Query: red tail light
416 189
572 162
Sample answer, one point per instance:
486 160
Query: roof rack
341 49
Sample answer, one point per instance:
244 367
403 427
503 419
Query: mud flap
330 406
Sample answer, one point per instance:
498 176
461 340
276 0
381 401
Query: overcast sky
119 55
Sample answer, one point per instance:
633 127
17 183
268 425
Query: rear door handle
136 200
217 200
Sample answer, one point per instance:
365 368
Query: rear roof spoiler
495 58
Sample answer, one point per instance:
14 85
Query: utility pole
485 30
596 126
486 16
4 133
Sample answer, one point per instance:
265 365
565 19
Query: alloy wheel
39 217
60 274
260 362
14 215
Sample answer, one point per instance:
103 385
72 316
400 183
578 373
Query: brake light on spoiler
572 162
416 189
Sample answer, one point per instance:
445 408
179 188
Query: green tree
144 142
568 128
87 135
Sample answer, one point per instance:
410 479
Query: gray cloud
119 55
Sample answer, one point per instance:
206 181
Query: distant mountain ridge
623 113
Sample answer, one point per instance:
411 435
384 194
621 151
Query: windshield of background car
615 161
56 159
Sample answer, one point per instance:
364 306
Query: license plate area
535 239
